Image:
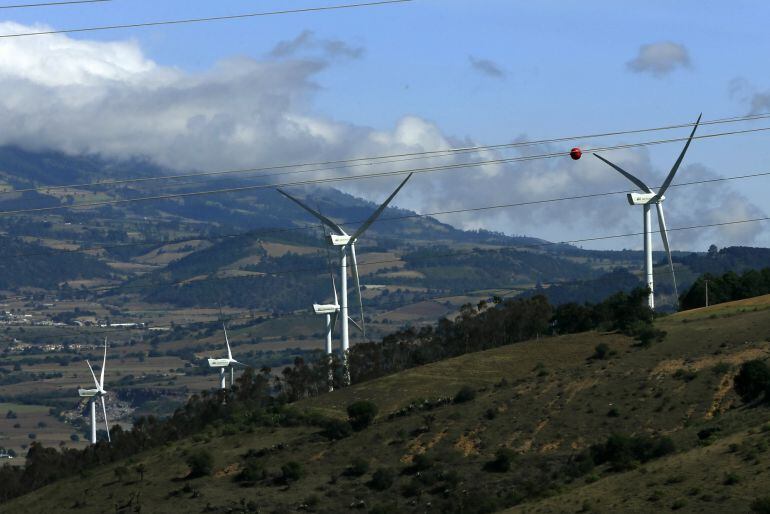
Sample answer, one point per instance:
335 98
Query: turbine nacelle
326 309
88 393
220 363
643 198
338 240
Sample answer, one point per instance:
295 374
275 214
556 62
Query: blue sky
491 71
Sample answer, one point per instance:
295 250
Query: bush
502 461
601 352
251 472
201 463
382 479
761 505
646 334
623 452
291 472
359 467
753 381
465 394
335 429
361 414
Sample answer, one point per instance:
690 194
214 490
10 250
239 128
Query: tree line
726 288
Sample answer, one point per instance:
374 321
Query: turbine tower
225 363
97 393
331 311
347 244
646 199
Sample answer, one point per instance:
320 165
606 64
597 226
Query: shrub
291 472
623 452
761 505
120 473
357 468
502 461
382 479
601 352
361 414
201 463
420 462
688 375
465 394
251 472
646 334
753 381
337 429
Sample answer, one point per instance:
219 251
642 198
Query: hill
515 436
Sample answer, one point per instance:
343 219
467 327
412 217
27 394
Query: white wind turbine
225 363
97 392
347 243
646 199
331 311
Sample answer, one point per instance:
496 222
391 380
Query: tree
120 473
361 414
201 463
502 461
140 470
753 381
465 394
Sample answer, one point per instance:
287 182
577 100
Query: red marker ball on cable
576 153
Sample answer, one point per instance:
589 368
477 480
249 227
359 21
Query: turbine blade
671 174
329 265
641 185
664 235
227 342
315 213
376 214
334 321
96 382
358 287
106 423
355 324
104 363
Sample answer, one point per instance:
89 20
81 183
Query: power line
206 19
380 159
269 231
51 4
336 179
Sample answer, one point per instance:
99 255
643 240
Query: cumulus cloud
486 67
660 59
82 96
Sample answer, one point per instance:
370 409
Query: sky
418 76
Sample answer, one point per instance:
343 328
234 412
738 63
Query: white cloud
82 96
660 58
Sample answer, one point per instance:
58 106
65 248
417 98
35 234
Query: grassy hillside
543 402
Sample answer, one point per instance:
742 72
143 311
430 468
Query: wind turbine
97 392
347 244
225 363
331 311
646 199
